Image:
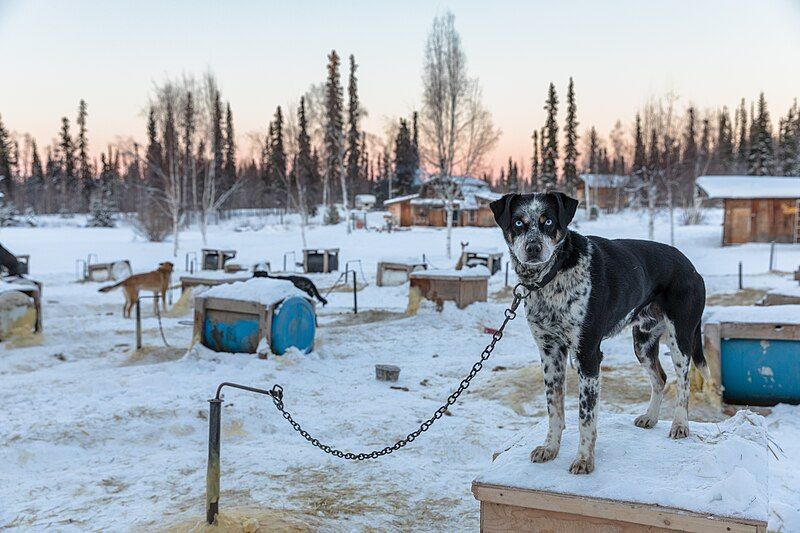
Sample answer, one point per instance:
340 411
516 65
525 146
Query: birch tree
457 131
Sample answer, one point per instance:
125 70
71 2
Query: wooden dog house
397 271
460 286
248 316
491 259
757 208
320 260
111 271
213 259
626 493
753 354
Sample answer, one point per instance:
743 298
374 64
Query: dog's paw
645 421
542 454
679 430
582 465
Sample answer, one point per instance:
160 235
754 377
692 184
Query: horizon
113 58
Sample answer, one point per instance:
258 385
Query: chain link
520 293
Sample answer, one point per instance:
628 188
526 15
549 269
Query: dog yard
97 435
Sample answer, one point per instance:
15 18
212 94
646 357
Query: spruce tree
189 167
761 149
334 146
85 177
67 176
6 158
353 134
304 167
512 182
689 156
550 159
639 157
742 146
404 160
217 137
723 151
155 157
276 163
229 169
704 148
415 139
594 155
571 145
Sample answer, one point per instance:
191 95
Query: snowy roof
479 271
605 180
400 199
365 197
772 314
750 186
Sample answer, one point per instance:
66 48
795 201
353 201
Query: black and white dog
586 289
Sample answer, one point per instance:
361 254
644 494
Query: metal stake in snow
214 418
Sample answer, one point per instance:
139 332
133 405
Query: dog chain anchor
276 393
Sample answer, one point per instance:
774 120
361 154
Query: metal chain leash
520 293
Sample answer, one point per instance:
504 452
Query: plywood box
643 481
460 286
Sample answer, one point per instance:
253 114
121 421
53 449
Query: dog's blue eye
548 222
519 223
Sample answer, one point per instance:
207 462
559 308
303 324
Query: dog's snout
533 249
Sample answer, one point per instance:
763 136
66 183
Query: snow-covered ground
96 436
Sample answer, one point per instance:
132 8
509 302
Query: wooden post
771 256
740 276
355 294
138 325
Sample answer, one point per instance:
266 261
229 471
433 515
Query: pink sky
266 54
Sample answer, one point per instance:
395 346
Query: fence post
740 276
212 472
355 294
138 325
772 256
507 273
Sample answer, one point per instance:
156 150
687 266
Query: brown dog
156 281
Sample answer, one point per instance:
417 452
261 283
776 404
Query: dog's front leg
554 359
589 385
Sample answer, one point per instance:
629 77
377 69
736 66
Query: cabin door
740 225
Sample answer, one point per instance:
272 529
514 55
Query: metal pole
771 255
212 473
507 273
138 325
740 276
355 294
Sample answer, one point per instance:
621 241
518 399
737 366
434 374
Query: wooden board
519 510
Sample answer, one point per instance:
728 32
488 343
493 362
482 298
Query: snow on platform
780 314
720 469
262 290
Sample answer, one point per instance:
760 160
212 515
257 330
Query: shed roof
397 199
750 186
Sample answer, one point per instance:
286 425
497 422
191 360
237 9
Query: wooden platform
643 481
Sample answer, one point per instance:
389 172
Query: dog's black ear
502 210
566 208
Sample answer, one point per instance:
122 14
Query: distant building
757 208
426 208
606 191
365 202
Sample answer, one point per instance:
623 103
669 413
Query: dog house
491 259
460 286
111 271
213 259
396 271
634 486
753 354
248 316
320 260
784 296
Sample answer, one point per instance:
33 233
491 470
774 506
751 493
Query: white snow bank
472 272
783 314
261 290
721 469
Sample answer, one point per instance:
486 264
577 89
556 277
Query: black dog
304 284
586 289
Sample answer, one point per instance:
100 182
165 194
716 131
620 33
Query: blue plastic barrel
293 324
760 372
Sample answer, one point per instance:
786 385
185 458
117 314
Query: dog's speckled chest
557 311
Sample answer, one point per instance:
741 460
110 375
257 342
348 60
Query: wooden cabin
606 191
757 208
426 208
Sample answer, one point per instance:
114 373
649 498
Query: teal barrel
231 332
293 325
760 372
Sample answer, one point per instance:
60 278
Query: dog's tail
110 288
698 357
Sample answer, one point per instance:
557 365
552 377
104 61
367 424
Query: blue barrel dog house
246 317
753 354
